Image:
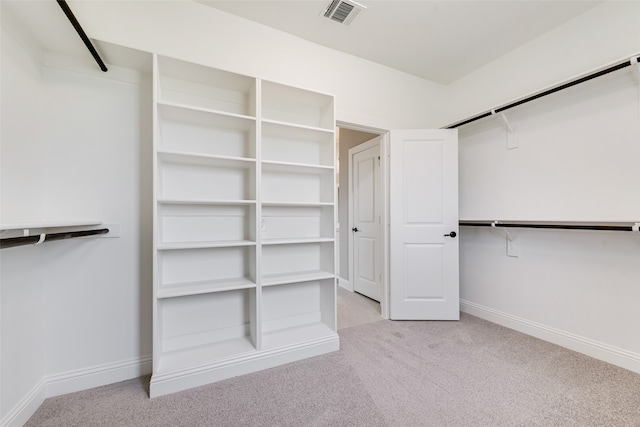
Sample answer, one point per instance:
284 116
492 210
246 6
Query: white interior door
423 196
365 225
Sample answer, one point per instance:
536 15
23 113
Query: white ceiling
438 40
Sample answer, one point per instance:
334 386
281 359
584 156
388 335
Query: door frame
384 208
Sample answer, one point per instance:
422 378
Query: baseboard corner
26 407
72 381
345 284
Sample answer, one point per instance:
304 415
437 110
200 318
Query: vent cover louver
342 11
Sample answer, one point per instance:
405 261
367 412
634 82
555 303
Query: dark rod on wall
31 240
67 11
548 226
563 86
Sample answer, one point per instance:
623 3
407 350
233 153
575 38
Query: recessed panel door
366 220
424 225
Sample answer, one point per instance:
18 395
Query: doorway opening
358 305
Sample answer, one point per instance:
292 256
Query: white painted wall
21 84
21 270
75 144
98 151
576 161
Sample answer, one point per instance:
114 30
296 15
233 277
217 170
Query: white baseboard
72 381
171 382
83 379
344 283
26 407
607 353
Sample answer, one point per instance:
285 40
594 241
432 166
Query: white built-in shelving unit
244 225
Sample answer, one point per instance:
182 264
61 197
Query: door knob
452 234
355 229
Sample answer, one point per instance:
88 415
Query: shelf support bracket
512 249
512 140
635 64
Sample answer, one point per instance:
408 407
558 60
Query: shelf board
296 335
191 158
296 277
47 224
204 287
298 126
296 241
296 204
276 166
204 245
205 202
194 357
190 107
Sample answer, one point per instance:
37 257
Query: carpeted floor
355 309
466 373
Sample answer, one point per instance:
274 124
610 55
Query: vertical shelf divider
258 110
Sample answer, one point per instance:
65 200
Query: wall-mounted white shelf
29 225
556 225
244 225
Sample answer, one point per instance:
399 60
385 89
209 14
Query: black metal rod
67 11
549 226
563 86
30 240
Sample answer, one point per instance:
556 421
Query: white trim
171 382
82 379
26 407
72 381
384 176
598 350
345 284
361 128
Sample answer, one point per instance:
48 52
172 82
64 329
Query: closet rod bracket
512 250
635 64
512 141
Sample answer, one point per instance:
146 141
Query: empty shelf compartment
180 223
188 130
189 271
192 84
297 313
204 328
300 261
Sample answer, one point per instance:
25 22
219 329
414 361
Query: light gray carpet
467 373
355 309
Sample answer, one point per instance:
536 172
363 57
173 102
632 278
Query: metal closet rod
555 89
40 238
67 11
593 226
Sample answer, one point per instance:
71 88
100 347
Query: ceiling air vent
342 11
